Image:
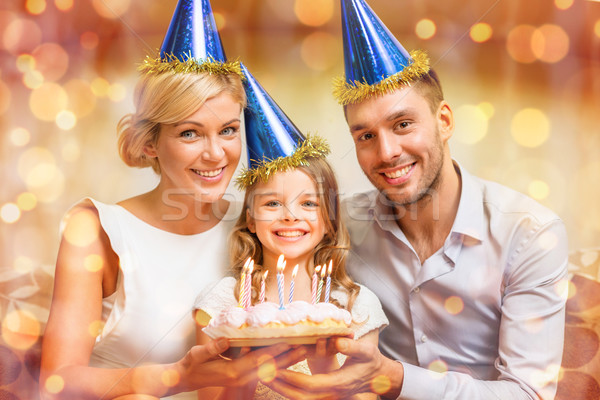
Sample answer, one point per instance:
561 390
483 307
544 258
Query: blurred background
523 79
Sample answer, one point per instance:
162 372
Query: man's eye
366 136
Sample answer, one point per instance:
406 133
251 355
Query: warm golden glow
23 264
320 51
44 109
93 262
518 44
220 20
111 9
116 92
381 384
82 228
95 328
438 366
20 329
267 370
313 12
454 305
530 127
82 100
100 87
10 213
539 190
4 97
66 120
54 384
33 79
170 377
21 36
63 5
563 4
46 181
35 7
19 137
481 32
425 29
25 62
487 108
472 122
550 43
89 40
71 151
597 28
26 201
51 60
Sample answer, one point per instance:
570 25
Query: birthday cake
299 320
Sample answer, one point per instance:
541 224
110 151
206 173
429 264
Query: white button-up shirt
483 317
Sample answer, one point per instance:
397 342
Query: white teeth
289 233
398 173
208 174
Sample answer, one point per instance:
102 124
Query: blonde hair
334 246
167 99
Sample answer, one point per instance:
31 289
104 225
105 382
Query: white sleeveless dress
367 315
149 317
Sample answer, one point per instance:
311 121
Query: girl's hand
322 357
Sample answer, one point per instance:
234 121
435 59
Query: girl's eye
272 203
310 203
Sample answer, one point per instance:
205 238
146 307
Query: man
469 272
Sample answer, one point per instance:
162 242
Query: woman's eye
188 134
229 131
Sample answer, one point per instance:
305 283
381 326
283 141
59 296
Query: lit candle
328 284
262 286
294 273
248 284
320 289
243 282
280 268
314 284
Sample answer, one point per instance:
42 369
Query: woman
121 322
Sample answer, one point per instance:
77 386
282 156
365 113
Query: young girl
294 213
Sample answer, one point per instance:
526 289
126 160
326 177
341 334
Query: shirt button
417 289
424 338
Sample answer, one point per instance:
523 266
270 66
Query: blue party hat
192 43
274 143
375 62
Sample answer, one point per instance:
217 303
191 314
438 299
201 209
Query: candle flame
323 272
251 267
247 263
280 264
317 269
330 267
265 275
295 271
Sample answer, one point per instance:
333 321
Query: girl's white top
149 317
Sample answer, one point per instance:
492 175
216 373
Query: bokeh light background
523 79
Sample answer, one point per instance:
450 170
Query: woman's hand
202 366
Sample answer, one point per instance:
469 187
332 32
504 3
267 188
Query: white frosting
229 320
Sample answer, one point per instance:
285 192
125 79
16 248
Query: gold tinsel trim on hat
313 146
173 64
350 93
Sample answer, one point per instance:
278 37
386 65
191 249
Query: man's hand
365 371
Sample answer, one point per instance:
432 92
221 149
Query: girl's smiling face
286 216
